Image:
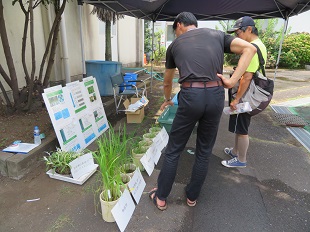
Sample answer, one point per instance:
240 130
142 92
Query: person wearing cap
198 53
245 29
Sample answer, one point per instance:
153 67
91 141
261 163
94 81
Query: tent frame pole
280 47
152 58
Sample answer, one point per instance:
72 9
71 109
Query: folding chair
129 89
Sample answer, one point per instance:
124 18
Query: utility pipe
64 45
152 58
80 12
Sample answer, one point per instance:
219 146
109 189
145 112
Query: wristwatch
167 100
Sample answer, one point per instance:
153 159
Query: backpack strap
261 59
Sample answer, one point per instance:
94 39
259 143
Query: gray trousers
202 105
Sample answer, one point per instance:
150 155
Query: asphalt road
271 194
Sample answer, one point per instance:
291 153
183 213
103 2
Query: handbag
260 90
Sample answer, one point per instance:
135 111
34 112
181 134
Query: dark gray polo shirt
199 54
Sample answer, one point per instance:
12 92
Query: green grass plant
140 149
150 135
145 143
155 129
111 150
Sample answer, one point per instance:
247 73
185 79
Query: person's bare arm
168 79
243 86
247 52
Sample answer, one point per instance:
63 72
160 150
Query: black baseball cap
242 22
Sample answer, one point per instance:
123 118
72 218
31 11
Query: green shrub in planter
59 160
150 135
155 129
145 143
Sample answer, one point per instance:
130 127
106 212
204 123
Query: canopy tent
167 10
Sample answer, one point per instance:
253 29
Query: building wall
14 19
130 41
126 40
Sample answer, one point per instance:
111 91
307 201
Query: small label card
136 185
155 150
123 210
148 162
164 136
82 165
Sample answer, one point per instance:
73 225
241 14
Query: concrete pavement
271 194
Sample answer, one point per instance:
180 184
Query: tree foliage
147 37
159 50
296 50
269 35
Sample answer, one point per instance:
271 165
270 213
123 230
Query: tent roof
167 10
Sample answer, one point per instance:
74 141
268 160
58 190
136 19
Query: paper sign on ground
20 148
148 162
155 151
136 185
82 165
123 210
159 142
164 136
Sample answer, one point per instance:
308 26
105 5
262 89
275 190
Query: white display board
76 112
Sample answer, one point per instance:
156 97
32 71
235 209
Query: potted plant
125 180
150 135
155 129
126 160
137 153
58 161
111 149
145 143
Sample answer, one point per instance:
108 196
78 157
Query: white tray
79 181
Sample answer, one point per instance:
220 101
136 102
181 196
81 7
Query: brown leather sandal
154 200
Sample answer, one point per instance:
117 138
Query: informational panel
76 112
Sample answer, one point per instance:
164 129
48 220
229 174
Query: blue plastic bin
129 77
102 71
175 99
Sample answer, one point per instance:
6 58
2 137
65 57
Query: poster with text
77 113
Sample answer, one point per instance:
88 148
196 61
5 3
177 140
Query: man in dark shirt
199 56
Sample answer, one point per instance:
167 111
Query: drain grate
290 120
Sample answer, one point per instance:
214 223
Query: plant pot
155 130
129 169
146 143
106 207
136 159
125 179
149 136
307 66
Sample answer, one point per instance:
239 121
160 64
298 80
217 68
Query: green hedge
295 50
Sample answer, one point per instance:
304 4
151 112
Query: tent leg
280 47
152 58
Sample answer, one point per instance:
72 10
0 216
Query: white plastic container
36 135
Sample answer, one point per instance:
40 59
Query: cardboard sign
82 165
148 162
123 210
159 142
136 185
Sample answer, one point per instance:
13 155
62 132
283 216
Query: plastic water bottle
36 134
